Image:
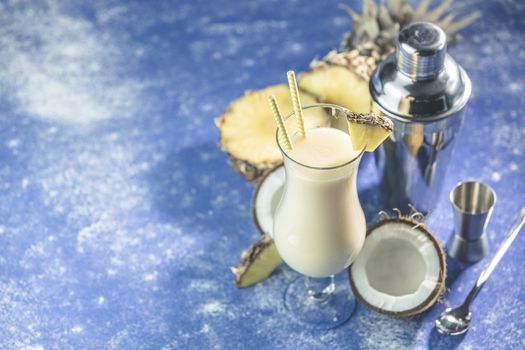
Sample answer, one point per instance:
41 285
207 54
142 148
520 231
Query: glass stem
320 289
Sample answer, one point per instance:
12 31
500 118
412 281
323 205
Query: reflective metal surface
424 92
421 51
472 203
457 321
454 321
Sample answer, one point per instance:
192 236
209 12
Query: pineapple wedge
248 129
257 263
369 129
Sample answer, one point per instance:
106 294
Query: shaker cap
420 51
420 81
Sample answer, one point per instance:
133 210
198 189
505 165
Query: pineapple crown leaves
380 25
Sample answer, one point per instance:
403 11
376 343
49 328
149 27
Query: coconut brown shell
438 291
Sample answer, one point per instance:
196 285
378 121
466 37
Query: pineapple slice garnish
369 129
248 127
257 263
338 85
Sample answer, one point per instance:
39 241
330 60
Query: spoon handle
489 268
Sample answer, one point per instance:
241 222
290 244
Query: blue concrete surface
120 217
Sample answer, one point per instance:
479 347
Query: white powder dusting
205 328
117 339
73 75
201 285
240 27
21 331
495 176
515 87
396 334
97 186
340 21
77 329
506 136
111 13
296 47
13 143
148 277
248 62
25 183
211 308
30 347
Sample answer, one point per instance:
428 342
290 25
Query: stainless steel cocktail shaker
424 92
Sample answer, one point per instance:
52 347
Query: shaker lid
420 51
420 81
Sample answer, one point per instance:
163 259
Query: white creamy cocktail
319 226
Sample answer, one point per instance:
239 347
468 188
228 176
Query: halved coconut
401 269
266 198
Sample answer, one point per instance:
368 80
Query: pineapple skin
257 263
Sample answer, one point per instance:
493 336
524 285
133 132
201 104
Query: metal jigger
472 202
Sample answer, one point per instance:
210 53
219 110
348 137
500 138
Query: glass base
324 310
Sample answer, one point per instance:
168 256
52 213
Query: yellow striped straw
282 133
296 102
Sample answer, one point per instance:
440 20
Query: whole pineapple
342 78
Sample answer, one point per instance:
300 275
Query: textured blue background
120 217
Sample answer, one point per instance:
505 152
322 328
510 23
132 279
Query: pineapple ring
248 126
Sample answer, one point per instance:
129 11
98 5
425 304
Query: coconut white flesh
398 268
268 197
